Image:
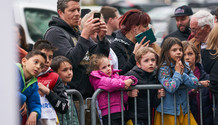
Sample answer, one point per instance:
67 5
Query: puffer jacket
112 84
144 78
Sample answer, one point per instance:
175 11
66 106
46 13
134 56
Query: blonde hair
144 50
212 40
94 62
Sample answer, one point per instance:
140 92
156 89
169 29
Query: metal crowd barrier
142 87
71 93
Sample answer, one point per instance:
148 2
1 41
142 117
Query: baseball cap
183 11
213 11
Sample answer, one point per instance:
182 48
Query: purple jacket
111 84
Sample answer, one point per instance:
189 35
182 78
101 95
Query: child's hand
179 67
41 93
23 109
161 93
43 89
205 83
128 82
32 119
133 93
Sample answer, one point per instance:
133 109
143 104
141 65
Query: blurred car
160 17
124 6
34 17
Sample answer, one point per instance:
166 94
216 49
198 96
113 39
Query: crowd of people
89 53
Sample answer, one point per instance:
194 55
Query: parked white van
34 17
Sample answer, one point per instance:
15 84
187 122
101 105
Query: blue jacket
171 85
30 91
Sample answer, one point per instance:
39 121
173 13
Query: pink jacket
112 84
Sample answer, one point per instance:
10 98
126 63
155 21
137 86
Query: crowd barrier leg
81 104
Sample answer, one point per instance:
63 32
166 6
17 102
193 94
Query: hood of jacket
99 74
141 72
56 21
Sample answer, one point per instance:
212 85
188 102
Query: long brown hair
23 43
165 56
186 44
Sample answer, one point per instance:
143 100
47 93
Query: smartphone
97 15
149 36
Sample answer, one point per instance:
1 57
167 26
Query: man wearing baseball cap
181 15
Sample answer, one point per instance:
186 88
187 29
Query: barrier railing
142 87
71 93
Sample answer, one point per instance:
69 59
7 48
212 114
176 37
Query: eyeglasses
197 29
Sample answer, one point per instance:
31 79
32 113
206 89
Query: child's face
65 72
189 56
33 66
49 55
176 52
105 66
147 62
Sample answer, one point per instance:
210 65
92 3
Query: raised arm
171 84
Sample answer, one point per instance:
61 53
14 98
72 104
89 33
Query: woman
124 45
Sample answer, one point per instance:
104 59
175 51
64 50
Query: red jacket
57 96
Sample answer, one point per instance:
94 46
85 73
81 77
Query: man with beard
181 14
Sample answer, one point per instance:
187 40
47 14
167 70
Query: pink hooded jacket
112 84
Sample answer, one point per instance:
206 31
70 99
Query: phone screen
149 36
97 15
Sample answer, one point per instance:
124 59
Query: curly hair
94 62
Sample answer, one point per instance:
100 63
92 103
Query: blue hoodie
30 90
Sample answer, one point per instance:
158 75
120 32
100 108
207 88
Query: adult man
201 24
64 35
214 12
181 15
111 16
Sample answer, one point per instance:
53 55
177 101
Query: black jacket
206 100
58 95
76 50
180 35
144 78
210 64
123 48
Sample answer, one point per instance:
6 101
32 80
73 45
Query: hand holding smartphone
149 36
97 15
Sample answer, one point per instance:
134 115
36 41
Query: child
173 72
146 60
51 88
63 67
31 65
102 76
191 56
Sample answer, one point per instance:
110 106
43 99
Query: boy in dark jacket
32 65
146 60
50 83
